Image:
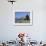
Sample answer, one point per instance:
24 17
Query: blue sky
21 14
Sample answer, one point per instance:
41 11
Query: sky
21 14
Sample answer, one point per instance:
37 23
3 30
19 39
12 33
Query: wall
9 31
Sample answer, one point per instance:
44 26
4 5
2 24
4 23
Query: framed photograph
23 18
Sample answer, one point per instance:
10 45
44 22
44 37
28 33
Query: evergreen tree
27 17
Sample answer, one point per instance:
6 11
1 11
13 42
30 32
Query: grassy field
22 21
